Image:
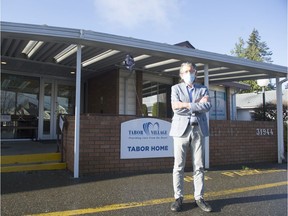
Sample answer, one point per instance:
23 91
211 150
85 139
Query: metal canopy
15 37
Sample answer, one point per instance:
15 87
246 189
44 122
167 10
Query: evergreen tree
256 51
239 49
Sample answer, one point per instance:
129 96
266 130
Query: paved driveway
253 190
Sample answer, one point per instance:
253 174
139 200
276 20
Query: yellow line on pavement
120 206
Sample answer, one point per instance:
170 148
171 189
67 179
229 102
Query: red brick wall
101 93
236 142
231 142
100 147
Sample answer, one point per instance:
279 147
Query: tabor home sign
146 138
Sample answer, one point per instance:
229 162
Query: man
190 103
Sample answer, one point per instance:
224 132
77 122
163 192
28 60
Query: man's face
188 69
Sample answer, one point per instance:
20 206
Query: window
156 99
218 101
19 106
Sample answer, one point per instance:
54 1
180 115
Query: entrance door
56 98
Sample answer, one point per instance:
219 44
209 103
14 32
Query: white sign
146 138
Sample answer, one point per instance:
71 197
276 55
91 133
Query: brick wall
231 142
236 142
100 147
101 93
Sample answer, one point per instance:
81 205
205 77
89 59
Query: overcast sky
209 25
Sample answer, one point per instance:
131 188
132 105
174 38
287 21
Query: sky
209 25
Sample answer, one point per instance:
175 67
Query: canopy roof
158 58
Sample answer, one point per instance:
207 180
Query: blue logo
153 129
149 127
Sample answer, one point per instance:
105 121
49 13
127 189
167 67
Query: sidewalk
252 190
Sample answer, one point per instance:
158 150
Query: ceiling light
214 69
161 63
99 57
32 47
171 69
229 73
3 62
238 77
141 57
66 53
178 68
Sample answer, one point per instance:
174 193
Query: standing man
190 103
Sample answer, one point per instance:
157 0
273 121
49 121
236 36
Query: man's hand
180 105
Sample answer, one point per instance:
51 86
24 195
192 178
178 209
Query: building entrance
30 106
56 98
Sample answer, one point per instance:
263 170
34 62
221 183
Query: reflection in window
19 103
65 99
47 108
218 101
155 99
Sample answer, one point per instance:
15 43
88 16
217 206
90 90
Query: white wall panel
128 106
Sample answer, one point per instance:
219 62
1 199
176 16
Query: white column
77 112
280 120
206 83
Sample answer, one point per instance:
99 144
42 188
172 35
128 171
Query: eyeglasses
189 71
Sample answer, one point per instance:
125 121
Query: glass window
66 99
19 106
218 101
156 99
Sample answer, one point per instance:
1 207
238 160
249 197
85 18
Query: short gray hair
187 64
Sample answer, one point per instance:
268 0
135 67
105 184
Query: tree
239 49
256 51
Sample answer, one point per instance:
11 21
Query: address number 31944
264 132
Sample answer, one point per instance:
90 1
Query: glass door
57 98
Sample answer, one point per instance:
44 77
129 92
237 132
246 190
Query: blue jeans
192 138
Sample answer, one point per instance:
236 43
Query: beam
206 83
280 136
77 112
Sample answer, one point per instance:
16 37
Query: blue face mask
189 78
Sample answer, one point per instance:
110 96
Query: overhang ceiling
15 37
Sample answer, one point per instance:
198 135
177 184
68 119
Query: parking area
259 189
